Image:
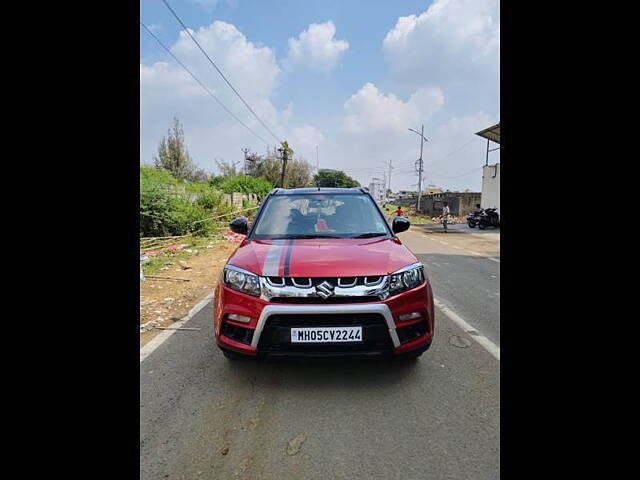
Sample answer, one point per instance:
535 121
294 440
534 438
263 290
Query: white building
490 187
376 189
491 173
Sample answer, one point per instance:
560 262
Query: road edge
158 340
487 344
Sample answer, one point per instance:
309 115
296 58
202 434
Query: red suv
321 273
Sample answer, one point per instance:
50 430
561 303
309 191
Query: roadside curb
165 334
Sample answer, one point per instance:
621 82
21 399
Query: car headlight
406 278
241 280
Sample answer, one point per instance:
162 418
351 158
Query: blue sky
352 84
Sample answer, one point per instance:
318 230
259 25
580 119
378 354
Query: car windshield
318 215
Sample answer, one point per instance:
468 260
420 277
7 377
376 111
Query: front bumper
257 336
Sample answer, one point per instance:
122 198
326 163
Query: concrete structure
491 173
376 189
460 203
491 186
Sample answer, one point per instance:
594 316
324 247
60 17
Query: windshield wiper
370 235
295 236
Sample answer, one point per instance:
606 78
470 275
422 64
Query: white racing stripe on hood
272 260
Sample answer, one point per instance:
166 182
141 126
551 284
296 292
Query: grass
197 245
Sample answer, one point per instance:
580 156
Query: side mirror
239 225
400 224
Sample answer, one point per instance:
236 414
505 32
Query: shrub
183 216
245 184
155 208
210 199
216 182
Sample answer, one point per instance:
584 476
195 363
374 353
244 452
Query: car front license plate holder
326 334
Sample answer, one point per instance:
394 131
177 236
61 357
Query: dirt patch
486 244
163 302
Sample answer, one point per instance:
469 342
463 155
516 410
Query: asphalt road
467 283
205 417
436 418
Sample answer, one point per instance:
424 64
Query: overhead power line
202 85
220 71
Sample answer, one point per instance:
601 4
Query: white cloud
305 139
370 110
317 48
167 90
454 41
374 128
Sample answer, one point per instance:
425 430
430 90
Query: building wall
491 186
460 203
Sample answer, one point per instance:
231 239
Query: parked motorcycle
489 218
473 219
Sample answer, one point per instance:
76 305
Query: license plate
326 334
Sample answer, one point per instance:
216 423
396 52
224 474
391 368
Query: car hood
327 257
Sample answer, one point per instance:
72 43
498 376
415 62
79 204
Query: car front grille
276 335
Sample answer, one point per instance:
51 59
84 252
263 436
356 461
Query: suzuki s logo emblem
325 289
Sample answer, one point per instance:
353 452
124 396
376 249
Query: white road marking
488 345
444 243
158 340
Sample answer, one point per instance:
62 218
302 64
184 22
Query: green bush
183 216
164 211
156 176
210 200
216 182
245 184
155 209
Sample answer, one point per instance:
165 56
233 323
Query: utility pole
419 162
245 151
390 167
285 150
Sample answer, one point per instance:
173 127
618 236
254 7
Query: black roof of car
316 190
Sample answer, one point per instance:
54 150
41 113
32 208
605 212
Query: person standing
399 211
445 215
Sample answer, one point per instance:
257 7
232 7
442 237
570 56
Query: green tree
298 173
173 154
227 169
334 178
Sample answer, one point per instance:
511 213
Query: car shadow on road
329 374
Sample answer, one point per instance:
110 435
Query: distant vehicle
474 218
321 273
489 218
